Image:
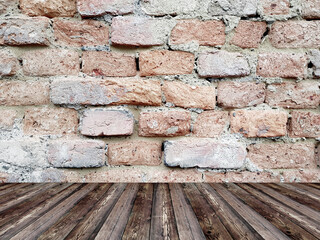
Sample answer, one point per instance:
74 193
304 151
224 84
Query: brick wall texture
159 91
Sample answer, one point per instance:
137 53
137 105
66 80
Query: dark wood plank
116 222
187 223
315 185
9 185
163 225
19 191
207 217
301 191
313 190
138 226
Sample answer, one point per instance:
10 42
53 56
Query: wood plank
303 192
9 186
187 223
116 222
19 191
315 185
64 225
308 188
138 226
207 217
163 225
234 223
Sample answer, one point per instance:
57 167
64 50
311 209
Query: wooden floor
159 211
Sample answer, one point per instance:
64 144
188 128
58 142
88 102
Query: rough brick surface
6 5
91 91
187 96
15 93
295 34
9 63
89 8
282 155
237 8
305 124
134 153
305 94
50 121
210 124
259 123
204 153
315 60
240 94
276 7
7 118
311 9
102 122
139 31
51 62
302 176
222 64
204 33
248 34
24 31
284 65
160 7
165 63
167 123
80 33
108 64
77 153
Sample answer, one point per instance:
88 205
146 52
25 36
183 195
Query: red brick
108 64
167 123
139 31
282 155
100 122
240 94
80 33
310 9
249 34
7 5
187 96
16 93
303 175
210 123
305 94
164 62
49 8
295 34
51 62
93 91
314 57
284 65
276 7
205 33
222 64
24 31
7 118
259 123
90 8
304 124
47 121
9 63
134 153
241 177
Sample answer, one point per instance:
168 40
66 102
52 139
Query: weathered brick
240 94
7 118
134 153
24 31
100 122
140 31
76 153
284 65
92 91
315 60
295 34
6 5
167 123
304 124
51 62
164 62
283 155
54 175
238 8
210 123
204 153
90 8
9 63
276 7
222 64
241 177
205 33
108 64
310 9
249 34
187 96
49 8
16 93
302 175
161 8
259 123
80 33
46 121
305 94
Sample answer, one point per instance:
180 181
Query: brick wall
159 90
